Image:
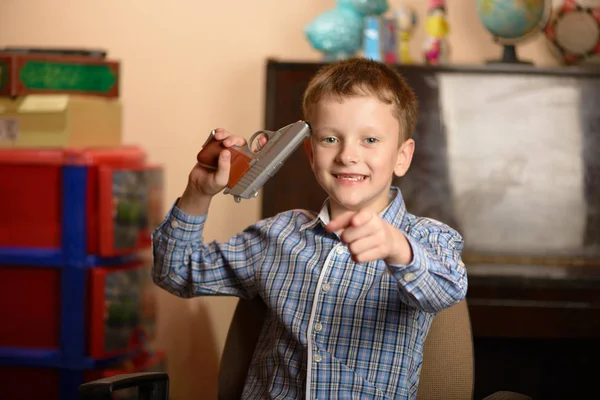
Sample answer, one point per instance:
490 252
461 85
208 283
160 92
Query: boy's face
356 150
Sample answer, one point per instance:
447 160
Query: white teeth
350 178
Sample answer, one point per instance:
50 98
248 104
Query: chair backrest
448 365
447 371
244 330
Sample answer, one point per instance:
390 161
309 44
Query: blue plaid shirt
336 329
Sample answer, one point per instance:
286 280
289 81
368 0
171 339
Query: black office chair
151 386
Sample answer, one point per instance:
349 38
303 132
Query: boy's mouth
350 177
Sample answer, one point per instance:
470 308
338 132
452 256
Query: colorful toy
406 21
573 32
435 48
338 32
380 39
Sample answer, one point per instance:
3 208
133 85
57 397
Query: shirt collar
393 214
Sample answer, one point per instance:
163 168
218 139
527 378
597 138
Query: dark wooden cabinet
533 254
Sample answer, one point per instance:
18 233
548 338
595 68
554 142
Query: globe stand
509 56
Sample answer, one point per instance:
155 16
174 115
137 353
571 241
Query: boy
352 290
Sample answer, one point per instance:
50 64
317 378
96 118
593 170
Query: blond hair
362 77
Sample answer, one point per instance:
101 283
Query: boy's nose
347 155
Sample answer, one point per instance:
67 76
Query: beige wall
190 66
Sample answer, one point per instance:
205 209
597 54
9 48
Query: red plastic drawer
120 312
122 199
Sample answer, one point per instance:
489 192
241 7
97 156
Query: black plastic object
509 56
94 53
151 386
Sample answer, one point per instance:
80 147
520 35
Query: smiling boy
351 290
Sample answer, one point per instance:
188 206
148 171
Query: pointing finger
361 218
340 222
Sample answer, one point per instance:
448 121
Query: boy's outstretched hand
370 238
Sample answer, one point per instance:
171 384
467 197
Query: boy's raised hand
370 238
204 183
208 182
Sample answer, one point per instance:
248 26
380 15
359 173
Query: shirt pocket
357 281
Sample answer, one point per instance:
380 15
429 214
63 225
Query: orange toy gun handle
208 158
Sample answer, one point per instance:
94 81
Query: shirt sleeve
186 267
436 278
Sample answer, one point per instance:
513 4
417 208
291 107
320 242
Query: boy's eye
371 140
329 139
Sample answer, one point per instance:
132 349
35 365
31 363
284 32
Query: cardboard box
59 121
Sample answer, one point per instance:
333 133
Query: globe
511 21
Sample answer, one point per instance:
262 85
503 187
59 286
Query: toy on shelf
573 32
380 39
406 21
338 32
435 49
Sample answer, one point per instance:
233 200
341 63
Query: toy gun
250 170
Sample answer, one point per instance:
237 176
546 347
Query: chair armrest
152 386
505 395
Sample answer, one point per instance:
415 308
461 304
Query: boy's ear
405 155
308 149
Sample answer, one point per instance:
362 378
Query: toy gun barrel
251 170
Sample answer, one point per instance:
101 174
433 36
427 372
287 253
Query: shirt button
340 250
326 287
318 358
174 224
409 277
318 326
